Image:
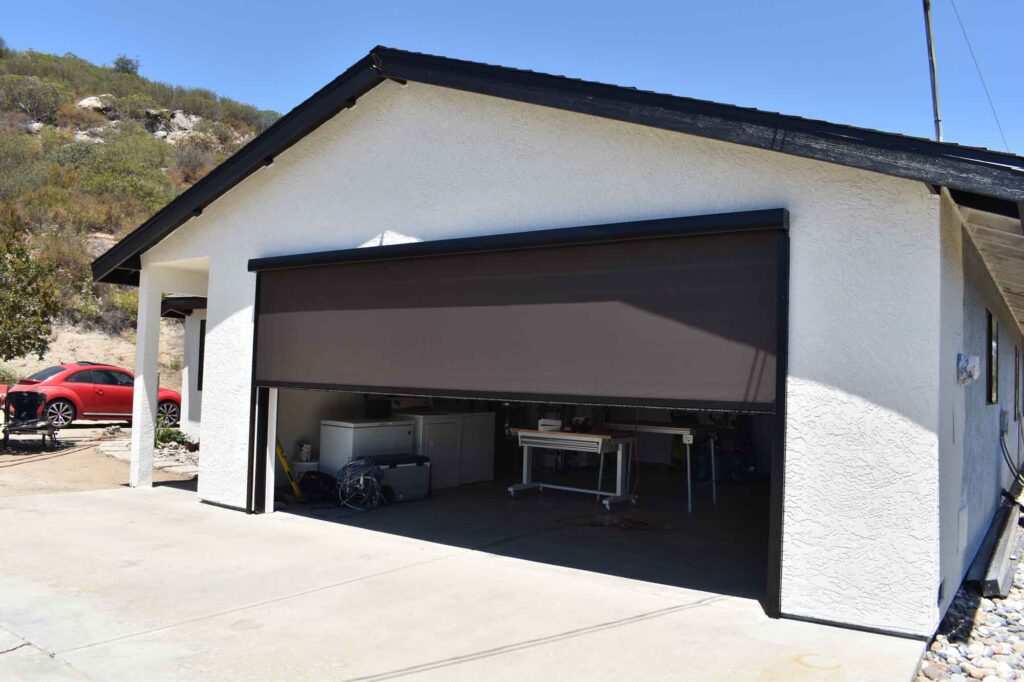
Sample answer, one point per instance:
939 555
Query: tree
125 64
28 299
3 48
37 97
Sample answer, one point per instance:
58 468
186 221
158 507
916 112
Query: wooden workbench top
566 434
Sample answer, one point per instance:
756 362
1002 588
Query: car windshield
44 374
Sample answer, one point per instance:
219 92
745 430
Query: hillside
88 152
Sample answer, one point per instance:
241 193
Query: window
1016 383
44 374
992 364
109 377
81 377
202 354
123 379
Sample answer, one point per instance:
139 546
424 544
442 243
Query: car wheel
59 412
168 413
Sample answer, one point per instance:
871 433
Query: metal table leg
689 481
714 479
527 483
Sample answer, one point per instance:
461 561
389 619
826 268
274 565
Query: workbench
596 443
687 434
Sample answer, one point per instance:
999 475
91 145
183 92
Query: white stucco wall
953 507
984 473
861 522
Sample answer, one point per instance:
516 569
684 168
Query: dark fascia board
718 223
1009 209
565 399
181 306
970 169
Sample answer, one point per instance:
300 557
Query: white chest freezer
343 440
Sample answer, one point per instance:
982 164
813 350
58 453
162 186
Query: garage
601 397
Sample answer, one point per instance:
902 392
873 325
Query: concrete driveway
151 585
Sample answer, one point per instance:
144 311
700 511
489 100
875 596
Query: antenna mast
931 68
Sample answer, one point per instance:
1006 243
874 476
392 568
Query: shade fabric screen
688 321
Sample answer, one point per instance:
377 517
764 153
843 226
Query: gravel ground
172 452
979 639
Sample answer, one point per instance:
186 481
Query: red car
90 390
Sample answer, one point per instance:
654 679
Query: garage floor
719 548
149 584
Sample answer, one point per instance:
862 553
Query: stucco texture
984 472
861 528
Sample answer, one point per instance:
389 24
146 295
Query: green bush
165 435
191 161
130 164
119 307
8 375
76 154
38 98
221 132
134 106
21 167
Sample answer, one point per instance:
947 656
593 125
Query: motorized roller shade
661 319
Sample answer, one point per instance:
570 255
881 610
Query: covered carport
678 316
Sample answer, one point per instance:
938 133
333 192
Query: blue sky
861 62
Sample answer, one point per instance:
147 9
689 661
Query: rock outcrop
103 104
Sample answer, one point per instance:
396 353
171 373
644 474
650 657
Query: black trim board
179 307
256 458
980 171
777 503
716 223
703 406
970 168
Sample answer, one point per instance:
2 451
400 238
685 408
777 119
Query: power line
980 76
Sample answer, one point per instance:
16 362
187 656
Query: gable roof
993 178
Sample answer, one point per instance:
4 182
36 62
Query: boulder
182 121
171 126
34 127
103 104
91 136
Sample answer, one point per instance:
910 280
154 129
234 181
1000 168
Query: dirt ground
28 469
70 344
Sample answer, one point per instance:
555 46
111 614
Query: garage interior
602 398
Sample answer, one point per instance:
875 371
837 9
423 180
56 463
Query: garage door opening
462 498
552 379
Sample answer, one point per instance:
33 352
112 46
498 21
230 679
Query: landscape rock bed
178 454
979 639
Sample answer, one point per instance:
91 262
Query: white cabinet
477 447
438 439
460 445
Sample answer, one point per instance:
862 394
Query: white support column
191 396
271 463
147 346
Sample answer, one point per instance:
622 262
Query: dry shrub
73 116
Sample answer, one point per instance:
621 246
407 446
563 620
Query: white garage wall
861 526
984 473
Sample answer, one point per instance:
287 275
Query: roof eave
980 171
